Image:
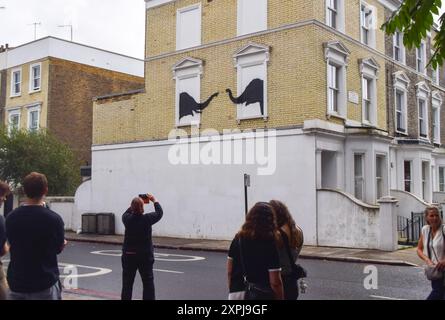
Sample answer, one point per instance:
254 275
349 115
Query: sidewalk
402 257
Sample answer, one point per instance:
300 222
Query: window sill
35 91
15 95
335 115
265 118
405 133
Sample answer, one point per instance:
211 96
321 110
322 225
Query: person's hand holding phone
152 198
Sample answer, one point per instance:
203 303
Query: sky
114 25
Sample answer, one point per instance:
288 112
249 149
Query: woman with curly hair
253 256
291 240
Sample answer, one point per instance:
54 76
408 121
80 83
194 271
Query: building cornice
150 4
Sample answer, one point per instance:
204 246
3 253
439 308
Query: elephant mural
254 93
188 106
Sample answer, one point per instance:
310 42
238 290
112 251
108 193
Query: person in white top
431 249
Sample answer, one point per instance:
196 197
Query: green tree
22 152
415 18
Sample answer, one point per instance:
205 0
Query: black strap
430 241
243 266
286 244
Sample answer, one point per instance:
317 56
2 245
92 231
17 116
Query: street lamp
69 26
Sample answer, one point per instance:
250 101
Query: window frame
401 85
249 56
436 106
401 47
34 108
369 26
422 58
179 43
14 112
423 94
33 89
337 54
441 179
362 177
13 83
411 182
187 68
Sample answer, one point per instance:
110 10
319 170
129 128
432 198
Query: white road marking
100 272
158 256
168 271
385 298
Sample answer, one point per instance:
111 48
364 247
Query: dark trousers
438 292
290 286
142 263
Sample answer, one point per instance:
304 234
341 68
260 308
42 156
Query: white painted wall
82 203
71 51
408 203
200 201
64 206
346 222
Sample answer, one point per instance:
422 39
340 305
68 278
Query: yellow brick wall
296 88
352 21
219 20
26 97
354 111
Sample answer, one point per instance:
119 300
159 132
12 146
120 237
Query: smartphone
143 196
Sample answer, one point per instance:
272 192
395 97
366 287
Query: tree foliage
22 152
415 18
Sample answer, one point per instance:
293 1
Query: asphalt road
197 275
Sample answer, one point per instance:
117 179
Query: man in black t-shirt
4 192
36 236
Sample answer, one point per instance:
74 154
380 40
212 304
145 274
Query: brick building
50 83
319 73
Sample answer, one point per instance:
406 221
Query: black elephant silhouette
254 93
188 105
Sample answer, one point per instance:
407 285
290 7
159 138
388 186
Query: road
198 275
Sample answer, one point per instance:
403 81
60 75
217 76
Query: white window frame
425 177
31 109
422 68
384 177
252 55
437 106
423 94
435 79
359 179
441 185
369 69
340 15
179 44
337 54
401 84
186 69
13 112
411 181
370 27
13 83
401 47
33 89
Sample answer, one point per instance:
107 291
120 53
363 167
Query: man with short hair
36 236
4 192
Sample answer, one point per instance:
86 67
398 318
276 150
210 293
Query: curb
303 256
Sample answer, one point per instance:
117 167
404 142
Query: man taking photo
36 236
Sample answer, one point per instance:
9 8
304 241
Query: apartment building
315 73
50 83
